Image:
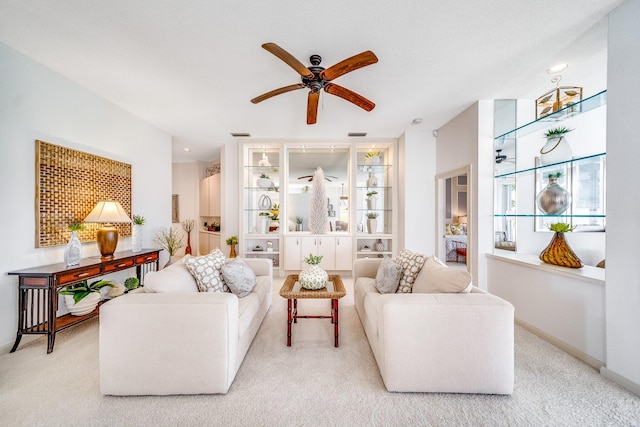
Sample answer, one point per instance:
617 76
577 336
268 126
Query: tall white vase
136 238
372 225
73 250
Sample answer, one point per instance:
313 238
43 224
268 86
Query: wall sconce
107 213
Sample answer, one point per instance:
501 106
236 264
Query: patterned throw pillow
207 271
411 264
388 276
239 277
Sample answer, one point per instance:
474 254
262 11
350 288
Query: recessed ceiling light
240 134
557 68
416 121
186 149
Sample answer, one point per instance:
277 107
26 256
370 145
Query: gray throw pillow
239 277
388 276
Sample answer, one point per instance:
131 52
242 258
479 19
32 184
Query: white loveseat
439 342
183 342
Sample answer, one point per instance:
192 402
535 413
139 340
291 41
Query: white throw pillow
207 271
411 264
436 277
239 277
388 276
174 278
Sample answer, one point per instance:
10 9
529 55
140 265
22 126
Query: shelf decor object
557 148
553 199
73 250
557 99
107 212
318 218
314 277
558 251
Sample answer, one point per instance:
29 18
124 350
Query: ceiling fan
317 78
500 157
310 177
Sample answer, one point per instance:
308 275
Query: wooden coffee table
292 291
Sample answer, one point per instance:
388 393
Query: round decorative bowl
313 278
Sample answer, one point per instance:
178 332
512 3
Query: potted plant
372 198
82 298
264 218
558 251
73 250
298 223
313 277
136 233
232 241
372 222
557 148
170 240
131 283
372 157
264 181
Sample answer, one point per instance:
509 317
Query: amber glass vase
559 253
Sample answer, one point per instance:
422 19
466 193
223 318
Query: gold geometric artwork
69 184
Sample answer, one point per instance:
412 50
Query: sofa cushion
247 309
174 278
206 270
436 277
411 264
388 276
239 277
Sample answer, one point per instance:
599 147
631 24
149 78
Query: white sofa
179 342
442 342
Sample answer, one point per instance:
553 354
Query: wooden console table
38 290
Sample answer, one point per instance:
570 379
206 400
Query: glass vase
553 199
73 250
559 253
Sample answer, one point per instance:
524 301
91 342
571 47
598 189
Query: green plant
82 289
233 240
372 154
298 220
275 217
559 131
313 259
169 240
265 176
561 227
264 214
131 283
554 175
75 225
188 224
138 219
371 193
372 215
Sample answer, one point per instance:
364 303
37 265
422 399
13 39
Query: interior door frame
440 212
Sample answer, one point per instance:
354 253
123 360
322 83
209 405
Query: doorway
453 218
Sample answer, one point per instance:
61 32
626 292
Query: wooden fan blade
312 107
289 59
350 96
277 92
350 64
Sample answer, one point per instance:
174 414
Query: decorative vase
374 160
372 181
73 250
232 251
379 245
187 249
171 260
556 149
263 224
559 253
371 202
84 306
136 238
553 199
264 183
313 278
372 225
299 227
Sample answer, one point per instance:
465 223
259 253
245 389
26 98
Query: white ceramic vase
84 306
313 278
73 250
372 181
371 202
136 237
556 149
372 225
263 224
264 183
375 160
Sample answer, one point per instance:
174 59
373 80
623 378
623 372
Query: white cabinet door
214 195
326 246
292 253
204 197
214 242
344 254
203 243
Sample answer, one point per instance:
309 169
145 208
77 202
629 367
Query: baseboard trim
578 354
620 380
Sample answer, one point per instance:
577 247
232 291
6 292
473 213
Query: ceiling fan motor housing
316 83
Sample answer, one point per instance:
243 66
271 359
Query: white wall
623 227
36 103
184 183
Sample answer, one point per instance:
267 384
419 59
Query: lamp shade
107 212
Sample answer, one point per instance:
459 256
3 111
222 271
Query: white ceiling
191 67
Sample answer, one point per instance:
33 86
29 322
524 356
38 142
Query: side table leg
289 320
295 310
335 320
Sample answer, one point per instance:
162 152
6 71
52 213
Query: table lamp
107 213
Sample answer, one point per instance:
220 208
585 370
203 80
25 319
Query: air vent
357 134
240 134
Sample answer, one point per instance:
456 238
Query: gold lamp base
107 238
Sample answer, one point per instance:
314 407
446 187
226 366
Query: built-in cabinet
277 187
208 241
210 196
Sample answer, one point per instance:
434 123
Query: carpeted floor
309 384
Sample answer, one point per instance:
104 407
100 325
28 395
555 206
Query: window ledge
587 273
